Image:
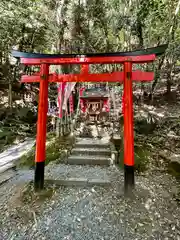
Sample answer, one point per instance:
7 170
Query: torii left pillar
128 129
41 128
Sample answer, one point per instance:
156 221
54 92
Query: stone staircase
89 164
90 152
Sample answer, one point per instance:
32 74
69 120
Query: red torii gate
126 77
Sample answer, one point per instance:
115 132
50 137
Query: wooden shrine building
95 103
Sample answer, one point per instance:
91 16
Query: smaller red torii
126 77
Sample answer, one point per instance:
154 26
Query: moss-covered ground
54 150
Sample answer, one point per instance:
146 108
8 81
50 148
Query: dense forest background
78 26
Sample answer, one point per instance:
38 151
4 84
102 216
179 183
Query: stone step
82 175
66 171
92 141
88 160
92 145
102 122
79 182
91 151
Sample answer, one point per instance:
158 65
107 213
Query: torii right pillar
128 129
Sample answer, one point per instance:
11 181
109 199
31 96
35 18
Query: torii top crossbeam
126 77
138 56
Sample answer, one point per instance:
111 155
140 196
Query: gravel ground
94 213
77 171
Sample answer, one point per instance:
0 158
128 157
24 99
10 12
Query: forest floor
103 213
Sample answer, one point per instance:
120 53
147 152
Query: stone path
13 153
89 164
8 157
90 152
99 213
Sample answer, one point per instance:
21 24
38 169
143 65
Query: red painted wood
71 104
84 69
123 104
89 60
138 76
106 105
61 90
128 116
42 115
30 79
82 102
126 77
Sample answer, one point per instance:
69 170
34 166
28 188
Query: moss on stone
53 151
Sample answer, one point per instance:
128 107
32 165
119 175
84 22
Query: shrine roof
99 93
158 50
95 97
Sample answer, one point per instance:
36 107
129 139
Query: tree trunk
168 86
157 74
140 33
170 61
58 127
10 94
169 67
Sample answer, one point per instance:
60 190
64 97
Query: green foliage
145 125
53 150
141 156
81 26
16 123
91 26
27 159
7 137
174 169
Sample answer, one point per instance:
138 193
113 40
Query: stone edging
79 182
66 153
114 153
